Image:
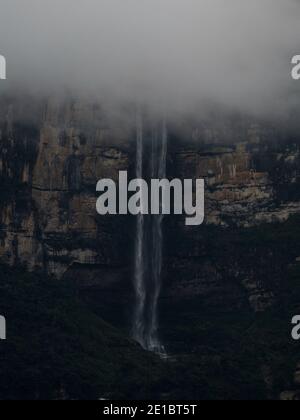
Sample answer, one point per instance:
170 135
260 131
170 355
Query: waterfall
139 284
149 240
159 167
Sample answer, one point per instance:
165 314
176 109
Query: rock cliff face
49 167
49 220
249 185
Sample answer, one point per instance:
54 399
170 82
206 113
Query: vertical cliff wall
54 152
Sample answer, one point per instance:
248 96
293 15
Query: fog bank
176 52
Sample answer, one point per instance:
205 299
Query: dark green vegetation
228 351
232 356
60 347
57 348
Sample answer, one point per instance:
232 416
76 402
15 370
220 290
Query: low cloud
177 52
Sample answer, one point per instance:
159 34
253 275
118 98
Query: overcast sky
235 52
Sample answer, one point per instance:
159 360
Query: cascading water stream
149 242
159 167
140 290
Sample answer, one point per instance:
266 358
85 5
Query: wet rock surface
229 270
50 166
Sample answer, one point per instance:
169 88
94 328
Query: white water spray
149 242
140 290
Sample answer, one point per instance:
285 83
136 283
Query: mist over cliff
169 53
176 89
